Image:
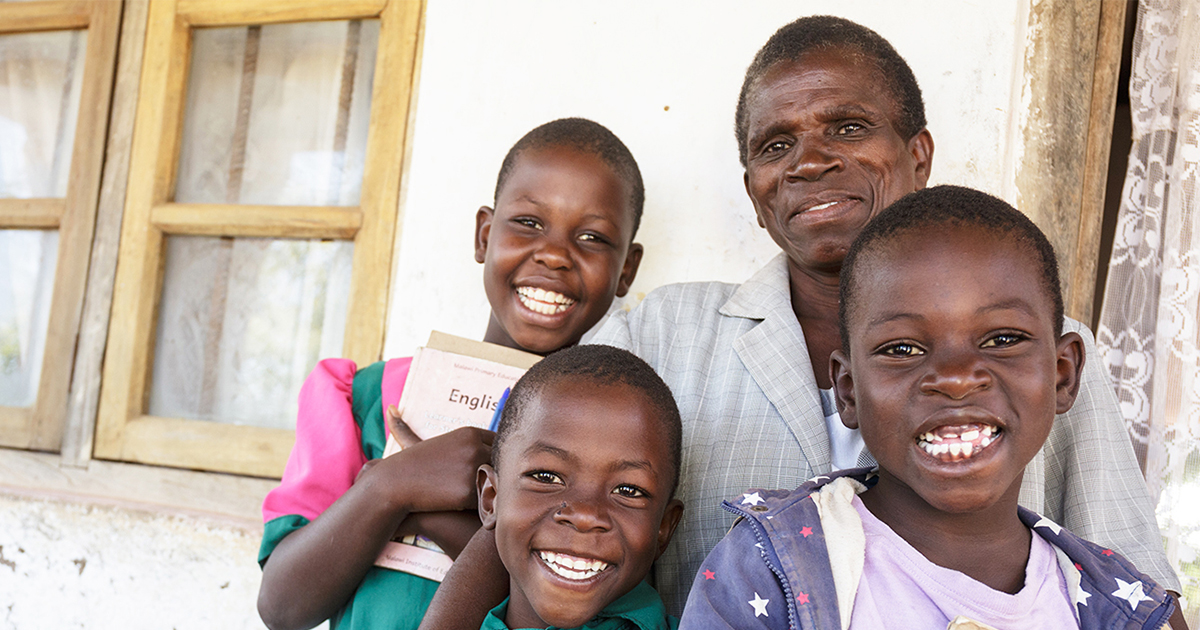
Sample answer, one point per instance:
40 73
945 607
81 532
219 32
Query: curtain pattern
275 115
1148 334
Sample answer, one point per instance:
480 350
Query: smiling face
954 375
556 249
580 501
823 154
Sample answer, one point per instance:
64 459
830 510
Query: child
581 492
556 248
953 367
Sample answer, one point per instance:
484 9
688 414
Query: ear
746 183
1069 366
629 270
670 520
485 483
921 149
843 388
483 229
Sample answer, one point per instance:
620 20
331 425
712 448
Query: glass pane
27 261
278 114
241 323
41 75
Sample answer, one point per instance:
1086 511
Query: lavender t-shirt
902 589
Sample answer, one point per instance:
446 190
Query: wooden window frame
41 426
124 430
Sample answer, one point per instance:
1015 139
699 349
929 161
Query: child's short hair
941 206
600 364
588 137
822 32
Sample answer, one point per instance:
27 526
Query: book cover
453 382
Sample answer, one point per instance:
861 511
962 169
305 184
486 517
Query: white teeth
543 301
823 206
960 445
572 568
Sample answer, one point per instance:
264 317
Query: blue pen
499 407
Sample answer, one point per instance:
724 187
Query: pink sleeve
328 452
395 372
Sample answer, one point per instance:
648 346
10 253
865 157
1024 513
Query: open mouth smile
958 443
543 301
572 567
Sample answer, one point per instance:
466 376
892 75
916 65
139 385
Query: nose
814 158
553 253
956 374
585 510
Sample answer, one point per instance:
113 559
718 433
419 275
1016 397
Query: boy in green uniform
581 492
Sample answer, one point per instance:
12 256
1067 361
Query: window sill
228 499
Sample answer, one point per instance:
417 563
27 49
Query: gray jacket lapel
776 356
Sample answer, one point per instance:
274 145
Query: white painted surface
664 76
64 565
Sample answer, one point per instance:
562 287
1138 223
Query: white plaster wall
664 76
65 565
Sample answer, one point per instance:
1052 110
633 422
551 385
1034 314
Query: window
53 57
259 222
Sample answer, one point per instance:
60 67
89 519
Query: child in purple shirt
953 367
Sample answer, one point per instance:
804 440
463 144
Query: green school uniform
639 609
385 598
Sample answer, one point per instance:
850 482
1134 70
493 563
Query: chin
565 618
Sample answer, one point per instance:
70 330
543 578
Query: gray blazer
736 360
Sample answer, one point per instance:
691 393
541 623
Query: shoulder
700 297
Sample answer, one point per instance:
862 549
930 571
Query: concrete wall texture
66 565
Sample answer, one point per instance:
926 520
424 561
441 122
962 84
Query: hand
431 475
400 429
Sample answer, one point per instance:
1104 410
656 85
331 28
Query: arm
315 570
475 584
1177 622
1093 485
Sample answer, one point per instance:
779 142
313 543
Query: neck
990 546
815 303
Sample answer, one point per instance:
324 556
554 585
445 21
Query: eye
592 237
850 128
545 476
631 491
532 224
778 146
900 349
1003 340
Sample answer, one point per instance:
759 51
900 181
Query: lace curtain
1148 335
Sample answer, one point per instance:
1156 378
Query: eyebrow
554 451
1015 304
835 112
565 455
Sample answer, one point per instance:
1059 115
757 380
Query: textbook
453 382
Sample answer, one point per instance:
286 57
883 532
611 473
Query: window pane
41 75
241 323
27 261
278 114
